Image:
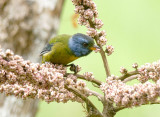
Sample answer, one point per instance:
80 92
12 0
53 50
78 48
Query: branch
92 110
127 75
130 78
83 78
157 102
105 62
104 58
99 96
121 108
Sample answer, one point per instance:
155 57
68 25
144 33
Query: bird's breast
59 57
63 59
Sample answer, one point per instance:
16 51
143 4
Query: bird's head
81 45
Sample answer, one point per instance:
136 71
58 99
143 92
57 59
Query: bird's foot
74 68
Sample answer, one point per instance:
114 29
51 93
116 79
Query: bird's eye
85 44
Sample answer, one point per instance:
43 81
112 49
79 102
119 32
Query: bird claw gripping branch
74 68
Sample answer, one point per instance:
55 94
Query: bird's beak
95 47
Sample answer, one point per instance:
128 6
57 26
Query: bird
64 48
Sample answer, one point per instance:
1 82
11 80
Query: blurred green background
133 28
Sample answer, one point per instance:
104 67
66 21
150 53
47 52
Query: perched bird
64 49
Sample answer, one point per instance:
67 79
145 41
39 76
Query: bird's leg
73 68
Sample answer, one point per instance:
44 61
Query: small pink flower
123 70
91 32
109 50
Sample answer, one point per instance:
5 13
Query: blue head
81 45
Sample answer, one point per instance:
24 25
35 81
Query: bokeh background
133 28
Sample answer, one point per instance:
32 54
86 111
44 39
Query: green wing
60 38
46 49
